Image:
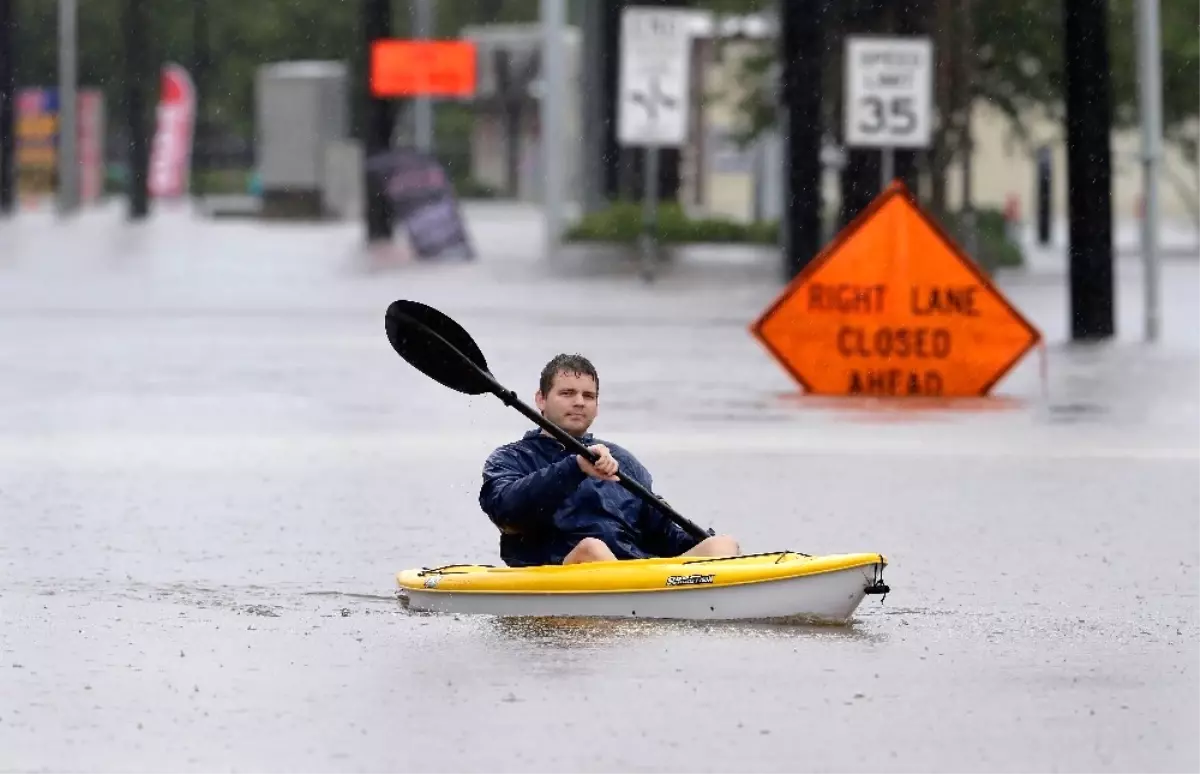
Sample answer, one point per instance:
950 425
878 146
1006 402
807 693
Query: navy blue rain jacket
543 504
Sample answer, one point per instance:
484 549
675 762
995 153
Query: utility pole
200 64
553 72
1089 175
8 108
138 76
68 108
612 156
966 44
862 172
801 49
377 24
1150 102
422 11
591 81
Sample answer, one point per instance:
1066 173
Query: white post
553 97
1150 100
423 107
68 123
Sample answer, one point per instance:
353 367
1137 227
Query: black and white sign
652 93
889 92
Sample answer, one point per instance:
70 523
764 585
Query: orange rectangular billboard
427 68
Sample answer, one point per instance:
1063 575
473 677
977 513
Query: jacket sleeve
518 499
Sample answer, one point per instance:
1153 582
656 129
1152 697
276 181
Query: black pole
200 63
1089 177
138 78
377 24
610 68
8 108
911 18
1043 195
861 174
801 50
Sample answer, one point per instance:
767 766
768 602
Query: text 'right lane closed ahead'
893 307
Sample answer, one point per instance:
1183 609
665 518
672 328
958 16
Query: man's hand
605 467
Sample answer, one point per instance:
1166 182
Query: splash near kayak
711 580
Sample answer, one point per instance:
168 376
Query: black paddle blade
438 347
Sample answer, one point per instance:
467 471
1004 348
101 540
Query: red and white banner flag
171 152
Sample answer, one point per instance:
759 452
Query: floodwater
212 464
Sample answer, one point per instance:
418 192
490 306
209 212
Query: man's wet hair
569 364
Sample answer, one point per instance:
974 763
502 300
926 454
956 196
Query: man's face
571 403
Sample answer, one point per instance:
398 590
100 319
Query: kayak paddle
438 347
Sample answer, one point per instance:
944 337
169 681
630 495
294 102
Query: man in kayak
553 506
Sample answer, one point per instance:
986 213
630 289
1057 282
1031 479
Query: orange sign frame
422 68
893 307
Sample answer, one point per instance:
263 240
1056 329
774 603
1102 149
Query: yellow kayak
778 585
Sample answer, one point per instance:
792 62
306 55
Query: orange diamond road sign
893 307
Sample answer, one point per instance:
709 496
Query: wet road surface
212 464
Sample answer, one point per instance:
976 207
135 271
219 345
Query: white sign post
888 95
652 96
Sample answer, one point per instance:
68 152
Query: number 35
897 116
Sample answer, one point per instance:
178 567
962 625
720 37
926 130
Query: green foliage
993 247
621 223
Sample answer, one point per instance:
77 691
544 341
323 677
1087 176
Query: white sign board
889 92
652 90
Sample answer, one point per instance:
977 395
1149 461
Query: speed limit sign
888 92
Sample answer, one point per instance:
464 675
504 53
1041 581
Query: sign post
68 107
652 99
889 96
1149 53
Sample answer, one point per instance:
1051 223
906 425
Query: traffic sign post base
648 252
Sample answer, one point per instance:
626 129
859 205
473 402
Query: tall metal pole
1089 169
423 106
138 78
591 110
553 76
376 24
1150 101
801 48
68 102
200 65
967 84
8 108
